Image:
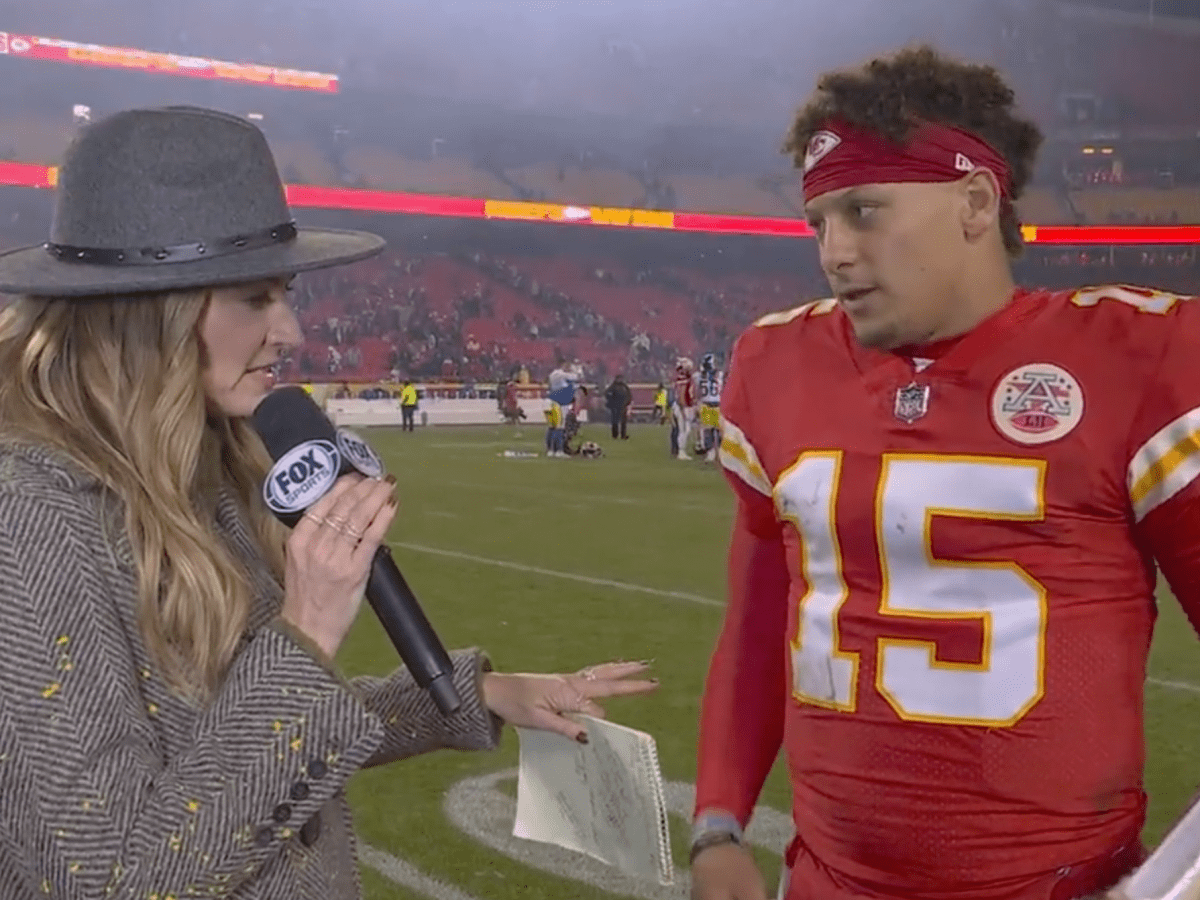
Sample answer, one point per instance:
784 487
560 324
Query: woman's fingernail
393 501
582 738
646 662
653 680
391 479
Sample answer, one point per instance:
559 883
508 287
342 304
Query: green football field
552 564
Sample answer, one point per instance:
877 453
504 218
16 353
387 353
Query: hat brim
32 271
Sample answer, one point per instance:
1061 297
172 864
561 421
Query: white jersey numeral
1006 602
1145 300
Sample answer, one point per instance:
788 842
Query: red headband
842 155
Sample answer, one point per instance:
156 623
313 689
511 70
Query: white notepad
605 798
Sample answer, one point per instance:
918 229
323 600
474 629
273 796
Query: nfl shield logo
912 402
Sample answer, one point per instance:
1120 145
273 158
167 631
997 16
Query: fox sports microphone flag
310 455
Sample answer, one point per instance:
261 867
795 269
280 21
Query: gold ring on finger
314 518
337 523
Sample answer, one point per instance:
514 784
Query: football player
949 509
684 409
711 382
561 393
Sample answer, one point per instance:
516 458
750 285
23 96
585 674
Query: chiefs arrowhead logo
822 144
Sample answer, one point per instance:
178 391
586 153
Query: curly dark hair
891 95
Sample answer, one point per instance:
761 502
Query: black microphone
310 455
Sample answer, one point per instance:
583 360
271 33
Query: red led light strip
301 195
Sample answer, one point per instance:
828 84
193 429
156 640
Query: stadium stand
473 314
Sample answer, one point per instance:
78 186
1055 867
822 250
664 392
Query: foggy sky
659 60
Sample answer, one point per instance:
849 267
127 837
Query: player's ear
981 201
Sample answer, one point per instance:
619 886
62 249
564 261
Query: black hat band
155 256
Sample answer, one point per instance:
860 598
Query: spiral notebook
604 798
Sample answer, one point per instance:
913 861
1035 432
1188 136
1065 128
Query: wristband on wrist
712 839
713 828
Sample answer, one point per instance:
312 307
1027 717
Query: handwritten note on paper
597 798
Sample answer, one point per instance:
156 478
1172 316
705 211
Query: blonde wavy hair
115 382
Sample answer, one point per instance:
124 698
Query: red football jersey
685 389
942 592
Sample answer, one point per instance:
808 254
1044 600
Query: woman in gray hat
171 723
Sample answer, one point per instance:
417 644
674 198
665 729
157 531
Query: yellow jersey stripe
1166 464
737 455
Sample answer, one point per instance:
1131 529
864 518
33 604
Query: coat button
311 830
317 769
300 790
282 813
263 837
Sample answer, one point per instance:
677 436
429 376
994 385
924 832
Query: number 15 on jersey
1008 604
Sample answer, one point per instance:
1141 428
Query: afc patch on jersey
1037 403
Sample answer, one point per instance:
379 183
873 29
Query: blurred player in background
571 423
710 383
660 404
561 393
510 404
684 410
949 505
554 429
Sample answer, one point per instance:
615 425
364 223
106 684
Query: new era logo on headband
822 144
963 164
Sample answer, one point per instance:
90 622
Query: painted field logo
1037 403
358 453
301 476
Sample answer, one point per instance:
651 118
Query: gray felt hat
154 199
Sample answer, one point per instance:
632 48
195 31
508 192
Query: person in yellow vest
408 406
660 404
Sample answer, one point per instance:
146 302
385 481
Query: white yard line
407 875
553 573
1175 685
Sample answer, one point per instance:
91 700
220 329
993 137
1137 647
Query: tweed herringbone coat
111 787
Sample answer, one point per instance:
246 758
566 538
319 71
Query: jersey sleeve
742 713
739 458
1164 468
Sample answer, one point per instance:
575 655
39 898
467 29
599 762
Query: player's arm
1164 458
1171 533
741 725
742 712
1164 492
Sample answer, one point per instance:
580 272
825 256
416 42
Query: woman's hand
539 701
329 555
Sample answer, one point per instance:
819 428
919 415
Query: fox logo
301 476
